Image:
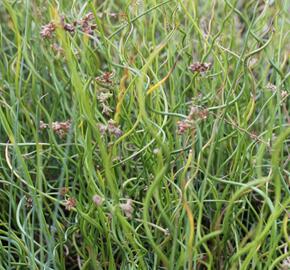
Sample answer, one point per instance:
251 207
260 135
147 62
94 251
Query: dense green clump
144 134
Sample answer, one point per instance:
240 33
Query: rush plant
144 134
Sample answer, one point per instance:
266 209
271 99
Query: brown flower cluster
105 78
194 114
60 128
112 128
200 67
28 202
70 203
182 126
47 30
127 208
271 87
85 25
67 26
103 99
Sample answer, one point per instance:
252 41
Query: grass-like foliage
144 134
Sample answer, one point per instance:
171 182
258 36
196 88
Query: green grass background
215 197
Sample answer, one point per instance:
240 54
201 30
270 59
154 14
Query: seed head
29 202
200 67
87 27
284 94
42 125
183 126
113 128
102 128
47 30
69 28
106 109
61 128
63 191
106 77
70 203
98 200
104 96
271 87
127 208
